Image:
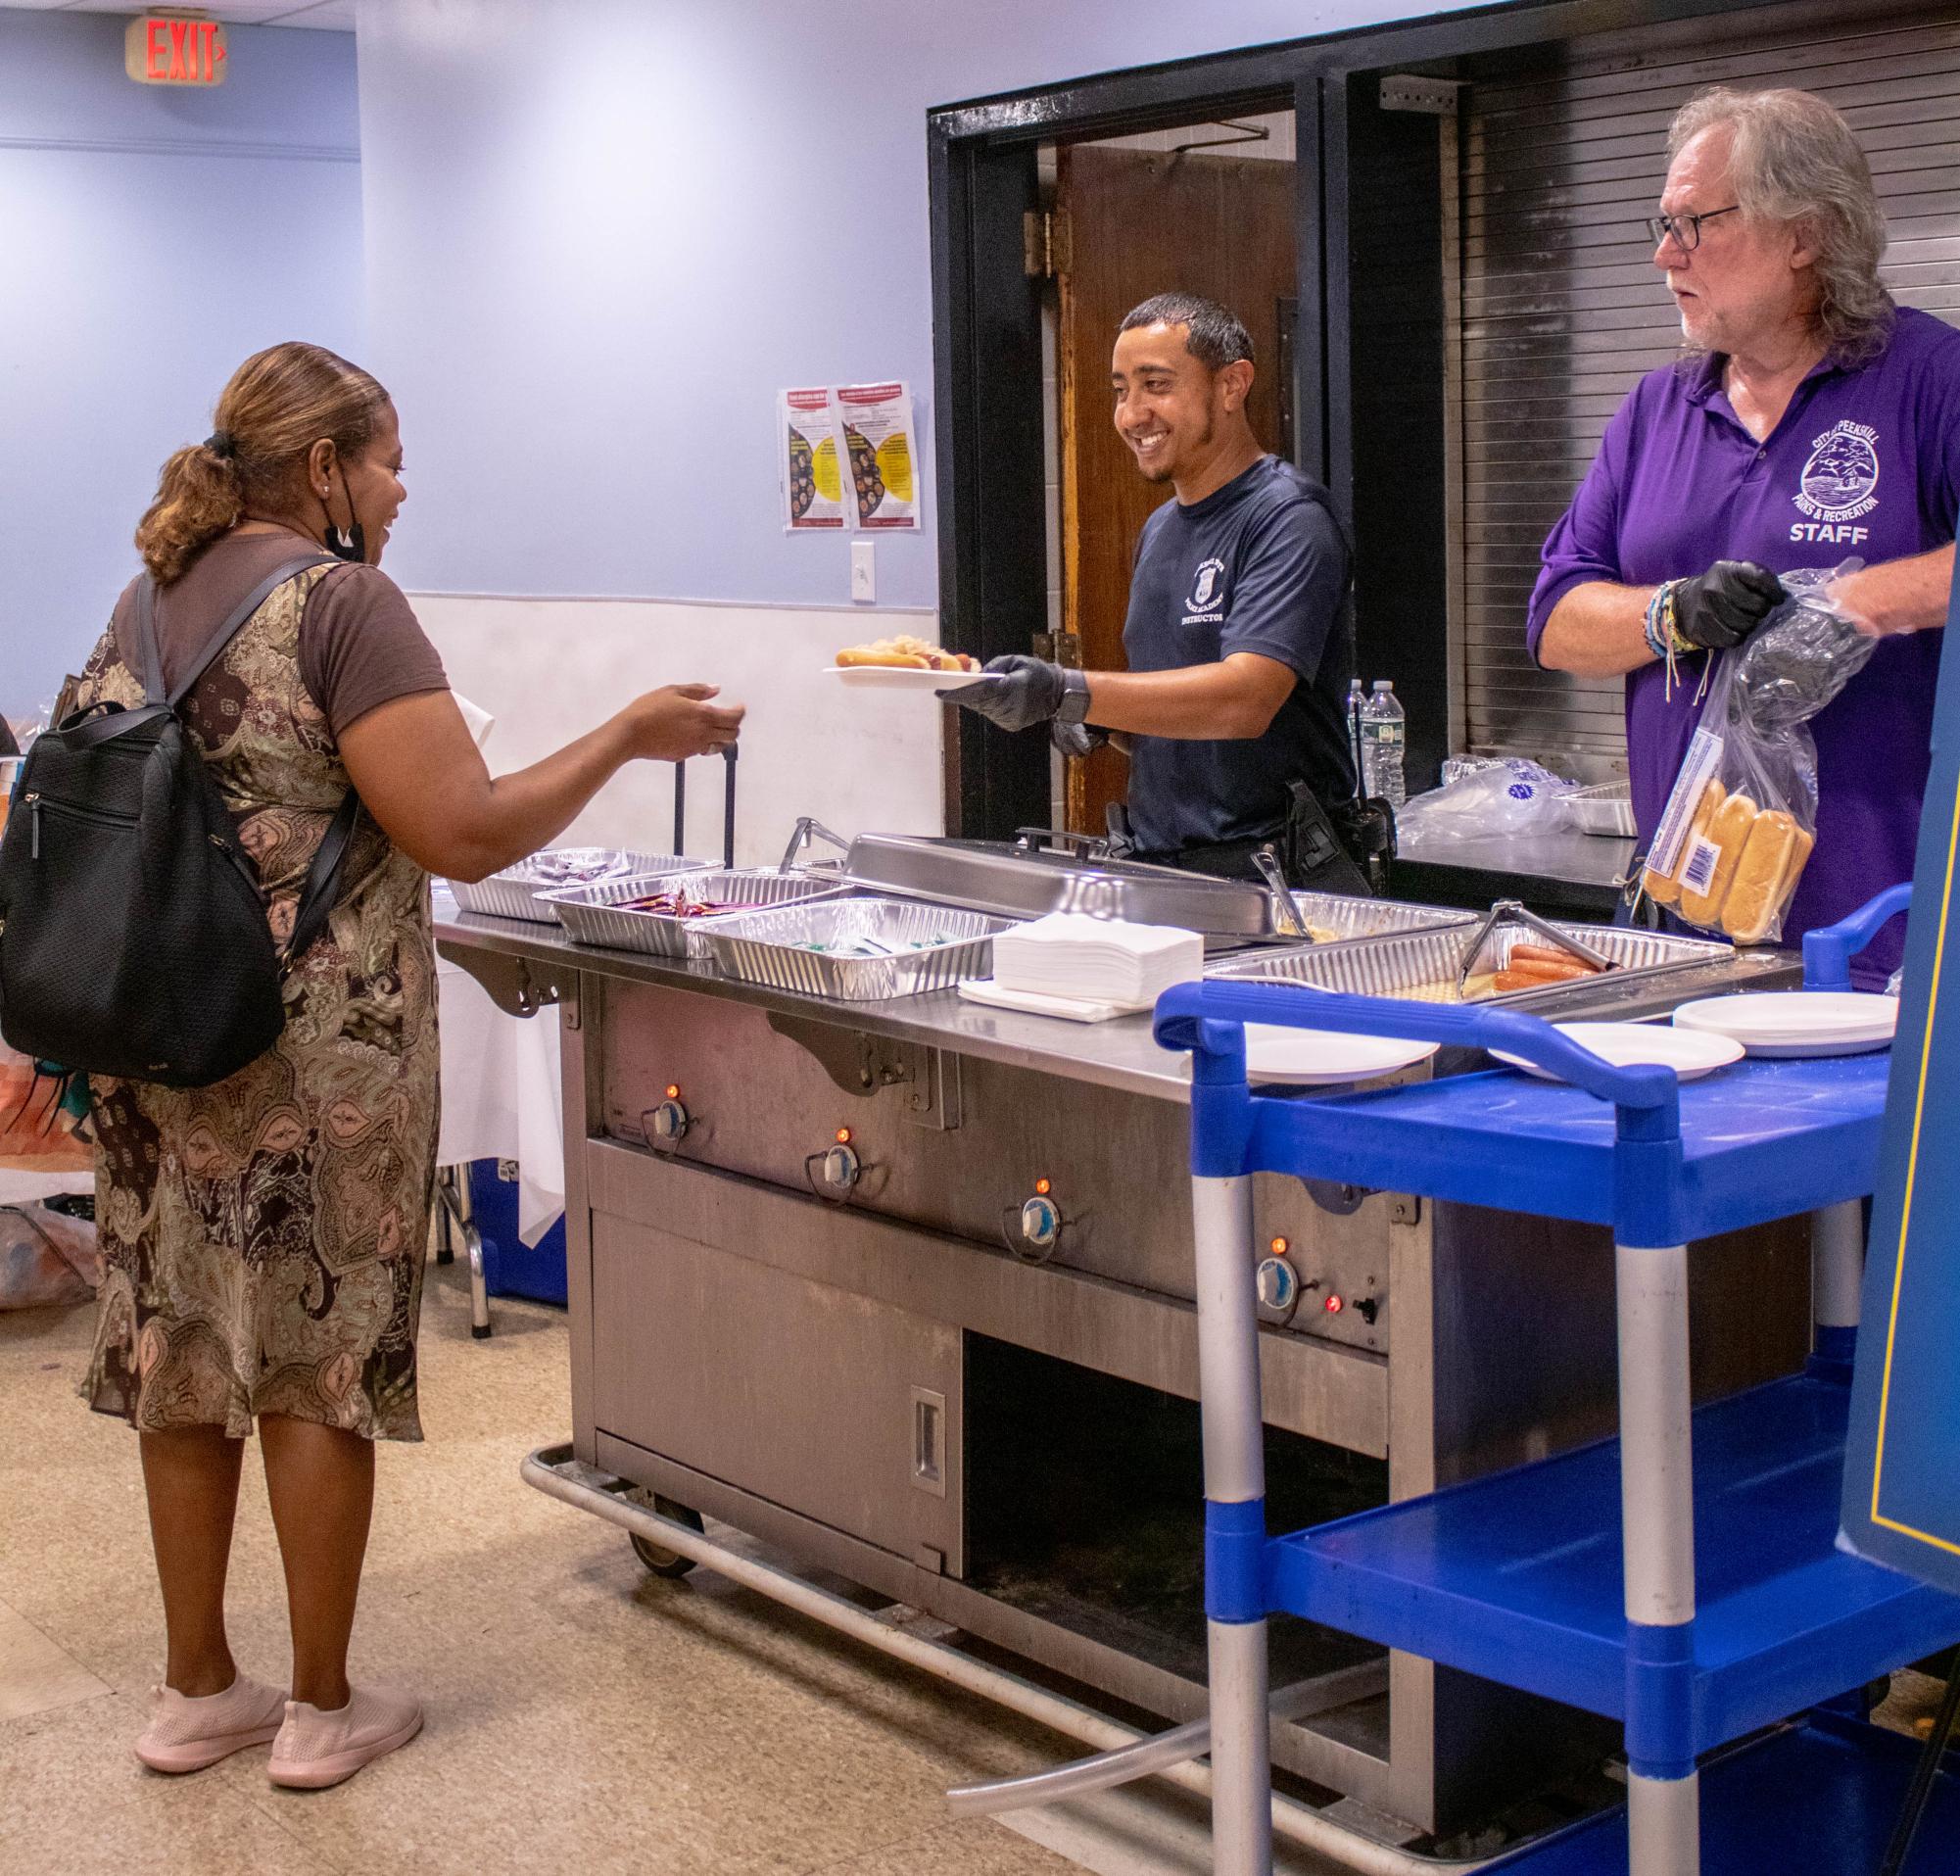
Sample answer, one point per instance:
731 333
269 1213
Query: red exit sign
164 48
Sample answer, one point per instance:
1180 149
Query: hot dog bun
904 652
1664 888
1729 834
854 654
1764 873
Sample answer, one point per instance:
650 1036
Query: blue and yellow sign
1902 1465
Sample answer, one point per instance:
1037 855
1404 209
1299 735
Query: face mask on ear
349 543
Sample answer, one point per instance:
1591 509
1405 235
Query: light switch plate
863 572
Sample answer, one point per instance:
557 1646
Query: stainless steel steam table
905 1291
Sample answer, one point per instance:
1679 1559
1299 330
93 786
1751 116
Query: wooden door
1142 222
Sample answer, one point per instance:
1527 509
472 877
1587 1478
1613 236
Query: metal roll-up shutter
1563 308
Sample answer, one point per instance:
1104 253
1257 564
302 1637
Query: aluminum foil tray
514 894
1357 918
1422 966
1605 809
776 948
597 915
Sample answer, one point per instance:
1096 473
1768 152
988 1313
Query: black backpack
133 936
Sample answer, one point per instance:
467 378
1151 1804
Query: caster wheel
659 1561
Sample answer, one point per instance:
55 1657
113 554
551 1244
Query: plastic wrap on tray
857 951
518 891
601 915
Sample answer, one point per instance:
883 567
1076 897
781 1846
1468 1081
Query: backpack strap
146 639
105 722
322 887
225 633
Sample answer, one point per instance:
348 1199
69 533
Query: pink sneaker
185 1735
318 1749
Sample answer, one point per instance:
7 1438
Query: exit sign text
161 49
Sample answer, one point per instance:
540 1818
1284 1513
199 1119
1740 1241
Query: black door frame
986 313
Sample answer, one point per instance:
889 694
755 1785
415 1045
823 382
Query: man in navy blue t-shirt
1238 637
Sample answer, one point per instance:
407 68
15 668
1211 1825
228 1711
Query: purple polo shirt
1864 462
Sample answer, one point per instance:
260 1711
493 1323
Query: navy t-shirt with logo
1865 465
1259 565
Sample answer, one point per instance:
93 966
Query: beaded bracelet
1660 620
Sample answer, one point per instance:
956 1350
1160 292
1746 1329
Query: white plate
1319 1058
1797 1022
1691 1053
904 677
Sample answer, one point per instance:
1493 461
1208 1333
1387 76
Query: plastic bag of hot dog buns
1740 822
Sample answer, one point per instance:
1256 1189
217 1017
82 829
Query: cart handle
1192 1016
1828 953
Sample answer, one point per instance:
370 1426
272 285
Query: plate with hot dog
906 663
1690 1053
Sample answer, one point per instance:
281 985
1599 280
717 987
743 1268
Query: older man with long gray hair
1814 421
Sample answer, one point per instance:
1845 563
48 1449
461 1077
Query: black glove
1021 692
1721 607
1078 739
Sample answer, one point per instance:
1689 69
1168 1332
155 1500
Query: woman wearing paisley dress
265 1236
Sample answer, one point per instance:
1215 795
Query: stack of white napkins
1073 956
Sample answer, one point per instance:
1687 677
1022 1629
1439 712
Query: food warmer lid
1021 880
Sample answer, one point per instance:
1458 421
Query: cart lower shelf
1816 1799
1517 1577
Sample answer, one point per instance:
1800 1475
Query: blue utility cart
1683 1578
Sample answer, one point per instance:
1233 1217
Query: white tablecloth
500 1096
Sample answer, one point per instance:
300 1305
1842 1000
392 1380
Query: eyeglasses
1686 229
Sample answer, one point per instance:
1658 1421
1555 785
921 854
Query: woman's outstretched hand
421 777
680 720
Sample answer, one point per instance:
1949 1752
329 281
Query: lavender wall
150 239
603 233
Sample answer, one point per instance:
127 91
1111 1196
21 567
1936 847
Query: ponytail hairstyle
280 403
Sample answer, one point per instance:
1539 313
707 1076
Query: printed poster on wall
813 488
877 423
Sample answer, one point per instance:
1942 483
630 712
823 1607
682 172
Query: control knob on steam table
1040 1223
842 1168
670 1122
1278 1284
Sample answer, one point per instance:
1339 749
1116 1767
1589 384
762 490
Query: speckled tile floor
582 1715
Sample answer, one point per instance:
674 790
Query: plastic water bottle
1384 727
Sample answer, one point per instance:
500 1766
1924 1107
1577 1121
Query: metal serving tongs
808 830
1285 914
1512 912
